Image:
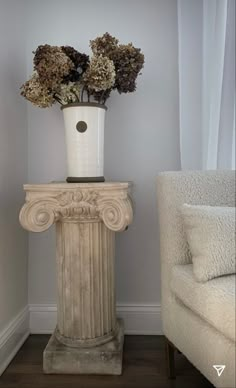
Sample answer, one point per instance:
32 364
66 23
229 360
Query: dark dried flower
52 65
81 61
100 74
104 45
101 96
128 61
37 93
73 76
40 53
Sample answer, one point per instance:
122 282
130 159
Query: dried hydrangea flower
63 74
128 61
81 61
73 76
68 93
37 93
52 65
104 45
100 74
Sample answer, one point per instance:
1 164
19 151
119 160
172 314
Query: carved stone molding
109 203
116 214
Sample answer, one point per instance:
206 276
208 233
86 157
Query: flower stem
57 99
77 98
82 94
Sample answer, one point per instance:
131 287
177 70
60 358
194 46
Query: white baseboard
13 337
41 319
139 319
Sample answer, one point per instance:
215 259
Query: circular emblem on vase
81 126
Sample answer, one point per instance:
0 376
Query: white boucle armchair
205 342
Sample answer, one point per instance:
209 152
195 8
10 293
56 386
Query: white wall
141 136
13 173
190 16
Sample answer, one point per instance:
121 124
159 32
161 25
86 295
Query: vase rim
92 104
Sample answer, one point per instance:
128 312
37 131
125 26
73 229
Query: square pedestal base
105 359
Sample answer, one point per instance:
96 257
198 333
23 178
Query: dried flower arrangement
64 75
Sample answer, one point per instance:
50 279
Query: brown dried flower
81 61
100 74
65 75
37 93
104 45
52 65
128 61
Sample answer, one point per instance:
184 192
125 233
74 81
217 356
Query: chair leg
170 358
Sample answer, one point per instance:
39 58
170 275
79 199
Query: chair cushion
213 301
210 232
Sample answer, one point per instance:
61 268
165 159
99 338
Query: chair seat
213 301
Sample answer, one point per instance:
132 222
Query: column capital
46 204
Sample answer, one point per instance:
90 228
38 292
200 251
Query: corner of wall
13 337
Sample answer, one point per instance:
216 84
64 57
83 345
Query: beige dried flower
37 93
69 93
52 65
104 45
100 74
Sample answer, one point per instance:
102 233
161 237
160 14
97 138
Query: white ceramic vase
84 133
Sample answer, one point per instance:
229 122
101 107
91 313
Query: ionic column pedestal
88 338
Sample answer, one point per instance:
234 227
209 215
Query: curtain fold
206 32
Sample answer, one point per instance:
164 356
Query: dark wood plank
144 366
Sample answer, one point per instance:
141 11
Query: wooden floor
143 367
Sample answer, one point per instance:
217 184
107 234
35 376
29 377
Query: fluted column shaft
85 277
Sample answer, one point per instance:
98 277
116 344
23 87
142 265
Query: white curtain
206 36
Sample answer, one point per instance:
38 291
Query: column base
105 359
